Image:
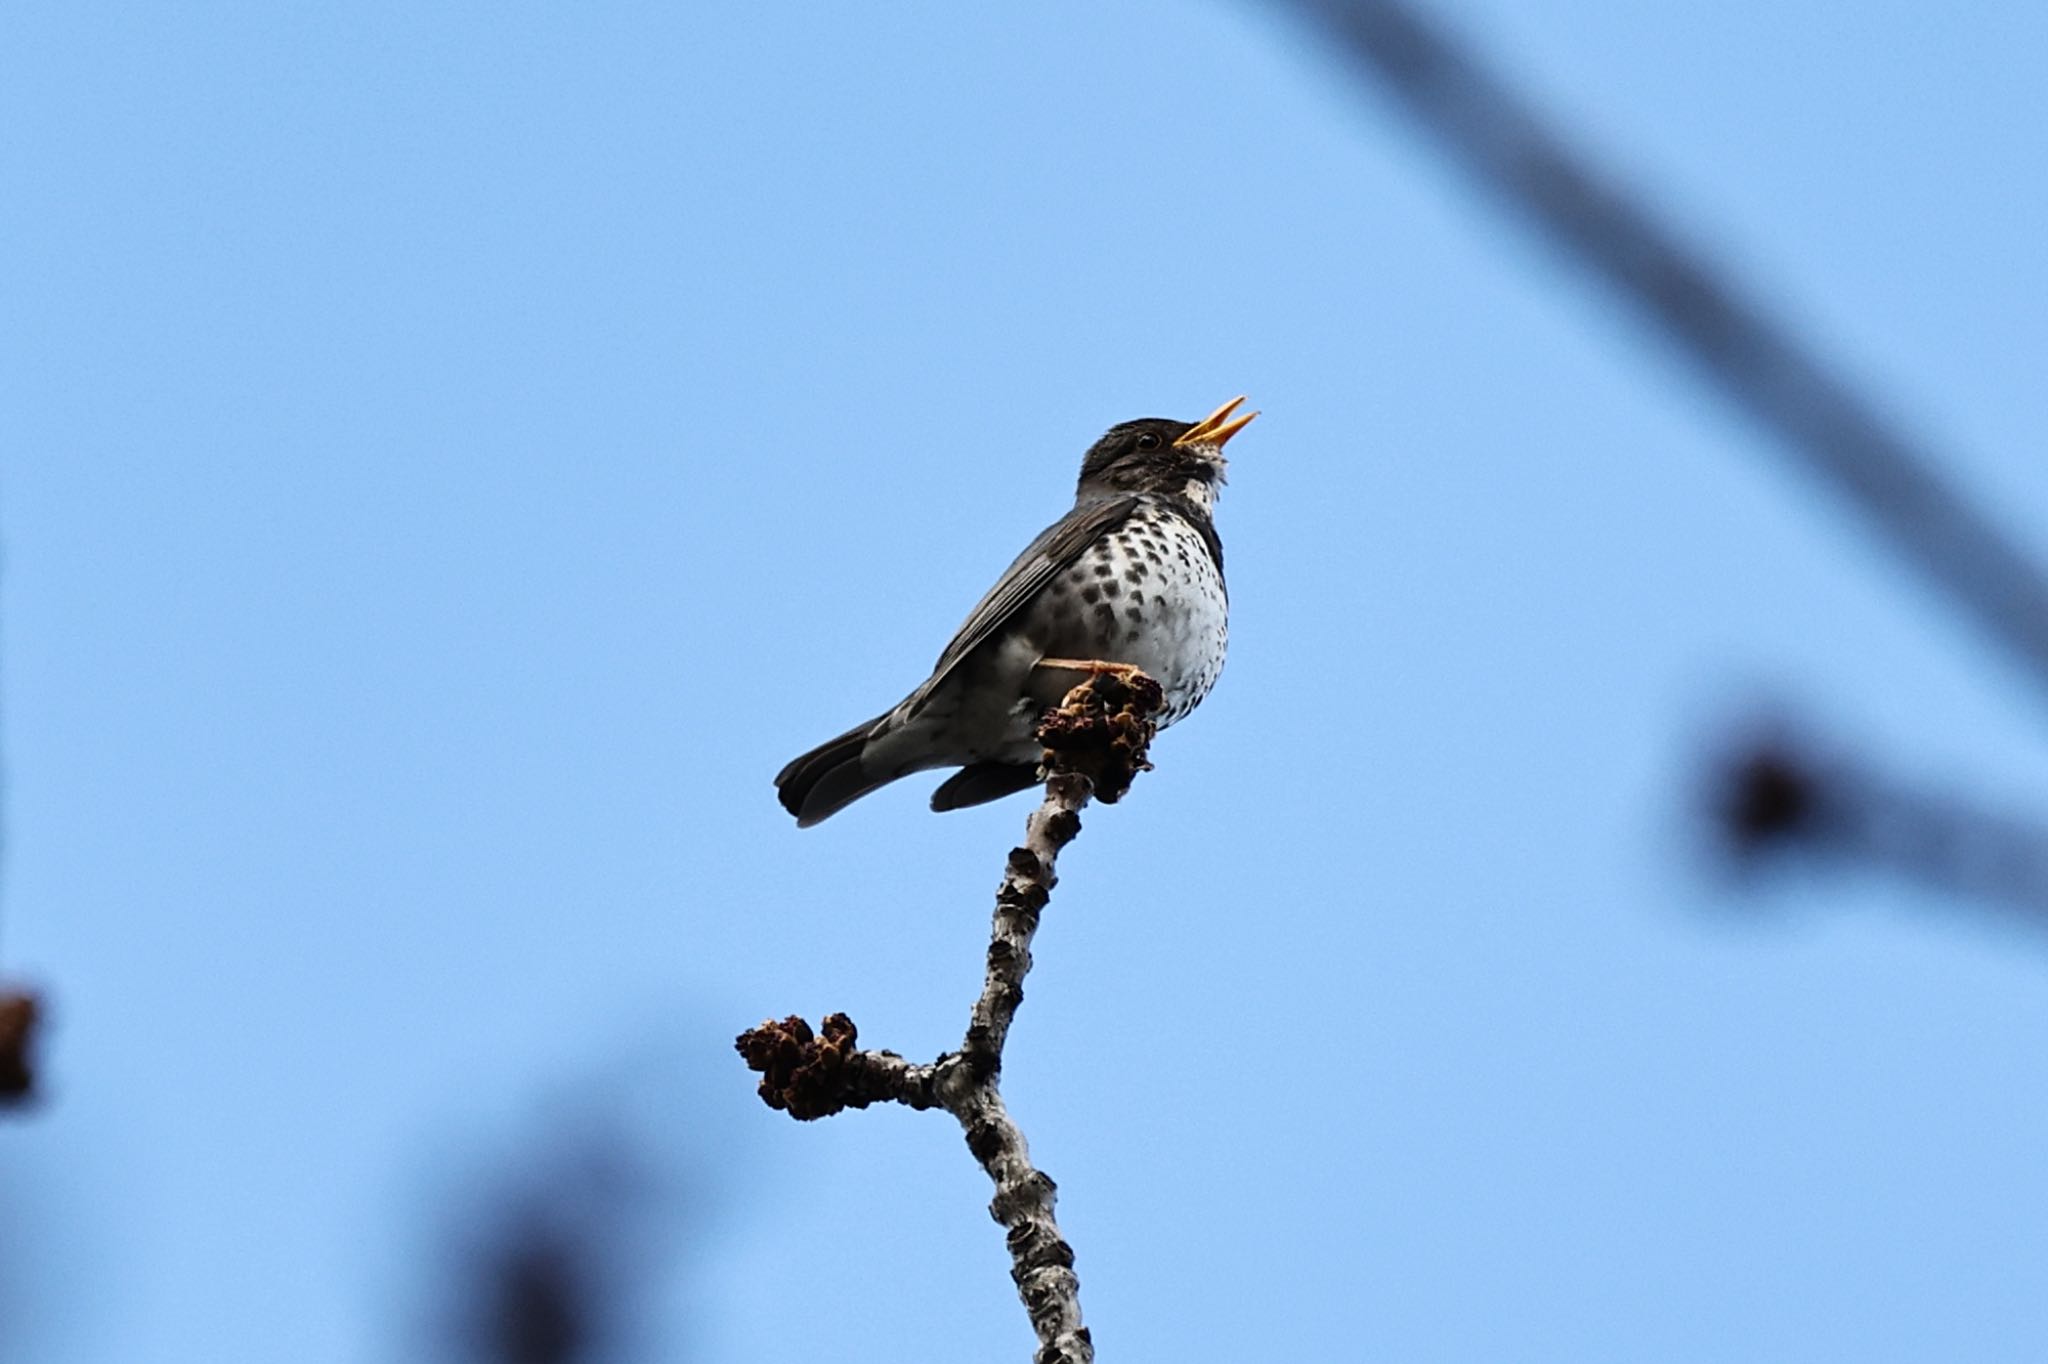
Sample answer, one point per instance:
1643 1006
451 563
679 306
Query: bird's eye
1148 441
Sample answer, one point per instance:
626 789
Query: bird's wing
1042 560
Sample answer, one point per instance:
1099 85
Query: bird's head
1154 455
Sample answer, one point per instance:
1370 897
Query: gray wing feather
1056 547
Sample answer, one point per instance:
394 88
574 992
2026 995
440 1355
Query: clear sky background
454 454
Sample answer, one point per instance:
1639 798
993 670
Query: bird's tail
979 783
830 777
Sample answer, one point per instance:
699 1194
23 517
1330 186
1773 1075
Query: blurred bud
19 1014
557 1263
1770 797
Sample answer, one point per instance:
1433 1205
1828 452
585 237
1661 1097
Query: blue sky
456 454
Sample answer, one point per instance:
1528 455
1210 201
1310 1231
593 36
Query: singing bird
1132 576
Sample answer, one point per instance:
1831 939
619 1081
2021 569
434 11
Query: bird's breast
1149 594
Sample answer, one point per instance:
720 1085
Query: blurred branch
1094 745
1752 356
1773 798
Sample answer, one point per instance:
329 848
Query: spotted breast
1150 593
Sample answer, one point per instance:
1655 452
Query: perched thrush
1132 577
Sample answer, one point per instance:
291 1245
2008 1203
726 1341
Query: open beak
1218 427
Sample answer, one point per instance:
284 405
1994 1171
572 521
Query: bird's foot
1126 673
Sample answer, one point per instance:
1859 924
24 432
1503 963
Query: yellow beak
1218 427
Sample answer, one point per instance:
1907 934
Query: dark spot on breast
1111 589
1131 635
1106 614
1152 554
1133 614
1138 597
1135 573
1104 570
1091 594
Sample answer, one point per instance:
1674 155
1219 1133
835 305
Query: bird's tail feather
830 777
979 783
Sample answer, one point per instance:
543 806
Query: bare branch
1095 744
1775 798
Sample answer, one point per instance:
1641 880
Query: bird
1132 577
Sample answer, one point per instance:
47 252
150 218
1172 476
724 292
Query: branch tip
1101 731
808 1074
